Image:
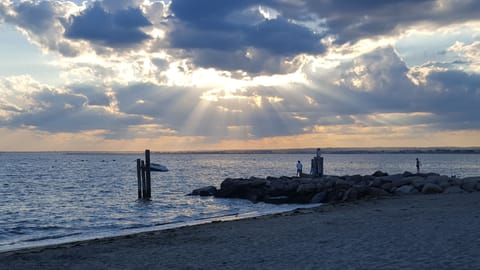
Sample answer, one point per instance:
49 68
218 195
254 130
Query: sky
190 75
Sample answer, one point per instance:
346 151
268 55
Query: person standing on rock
299 168
418 166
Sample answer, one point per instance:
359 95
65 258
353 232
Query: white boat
158 167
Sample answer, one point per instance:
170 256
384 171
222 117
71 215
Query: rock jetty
327 189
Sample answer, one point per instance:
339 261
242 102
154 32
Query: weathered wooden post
320 166
144 177
317 166
139 178
144 181
148 176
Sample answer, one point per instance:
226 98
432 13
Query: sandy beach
408 232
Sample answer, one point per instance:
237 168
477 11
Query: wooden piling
147 172
320 166
317 166
144 181
139 178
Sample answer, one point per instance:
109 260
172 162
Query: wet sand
439 231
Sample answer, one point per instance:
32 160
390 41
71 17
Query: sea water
48 198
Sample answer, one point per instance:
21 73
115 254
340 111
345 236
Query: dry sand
409 232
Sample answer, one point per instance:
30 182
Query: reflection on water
49 196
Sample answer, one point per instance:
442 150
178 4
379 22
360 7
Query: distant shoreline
373 150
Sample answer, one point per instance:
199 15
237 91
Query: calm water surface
58 197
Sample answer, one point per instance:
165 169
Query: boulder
251 189
387 186
350 195
355 179
342 184
471 183
321 197
437 179
431 188
280 187
306 188
379 174
392 178
418 182
469 186
204 191
377 192
377 182
401 181
406 189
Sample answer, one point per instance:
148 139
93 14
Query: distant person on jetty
299 168
418 166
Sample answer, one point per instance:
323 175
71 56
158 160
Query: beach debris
330 188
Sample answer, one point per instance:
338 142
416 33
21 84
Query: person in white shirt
299 168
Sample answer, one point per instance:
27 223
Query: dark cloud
350 21
455 97
37 17
118 29
228 29
259 62
378 82
281 37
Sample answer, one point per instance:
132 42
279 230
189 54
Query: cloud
379 83
36 17
95 95
232 29
117 29
350 21
26 103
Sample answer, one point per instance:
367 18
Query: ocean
51 198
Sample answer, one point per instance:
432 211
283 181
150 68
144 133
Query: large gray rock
387 186
469 186
379 174
350 195
204 191
392 178
418 182
406 189
250 189
431 188
321 197
306 188
376 182
342 184
437 179
355 179
377 192
398 182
